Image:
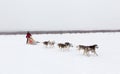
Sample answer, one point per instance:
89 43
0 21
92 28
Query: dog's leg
88 53
46 46
68 48
84 52
95 53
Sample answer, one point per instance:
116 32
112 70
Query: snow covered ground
18 58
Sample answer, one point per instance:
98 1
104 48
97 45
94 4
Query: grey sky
59 14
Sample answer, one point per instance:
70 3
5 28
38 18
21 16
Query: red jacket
28 35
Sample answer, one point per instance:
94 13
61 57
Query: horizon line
57 32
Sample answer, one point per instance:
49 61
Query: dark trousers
27 41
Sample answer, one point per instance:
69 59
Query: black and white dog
87 49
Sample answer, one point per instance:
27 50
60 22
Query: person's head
28 32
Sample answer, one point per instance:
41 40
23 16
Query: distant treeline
58 32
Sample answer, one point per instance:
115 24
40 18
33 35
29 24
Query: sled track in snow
58 32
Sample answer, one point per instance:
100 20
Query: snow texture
18 58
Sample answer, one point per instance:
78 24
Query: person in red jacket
28 35
29 38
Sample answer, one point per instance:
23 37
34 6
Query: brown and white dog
65 45
61 45
49 43
68 44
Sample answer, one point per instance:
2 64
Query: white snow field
18 58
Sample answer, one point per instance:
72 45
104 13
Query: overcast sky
59 14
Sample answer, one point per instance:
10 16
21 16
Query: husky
87 49
68 44
61 45
65 45
49 43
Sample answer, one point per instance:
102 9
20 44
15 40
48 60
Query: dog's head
68 44
95 45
